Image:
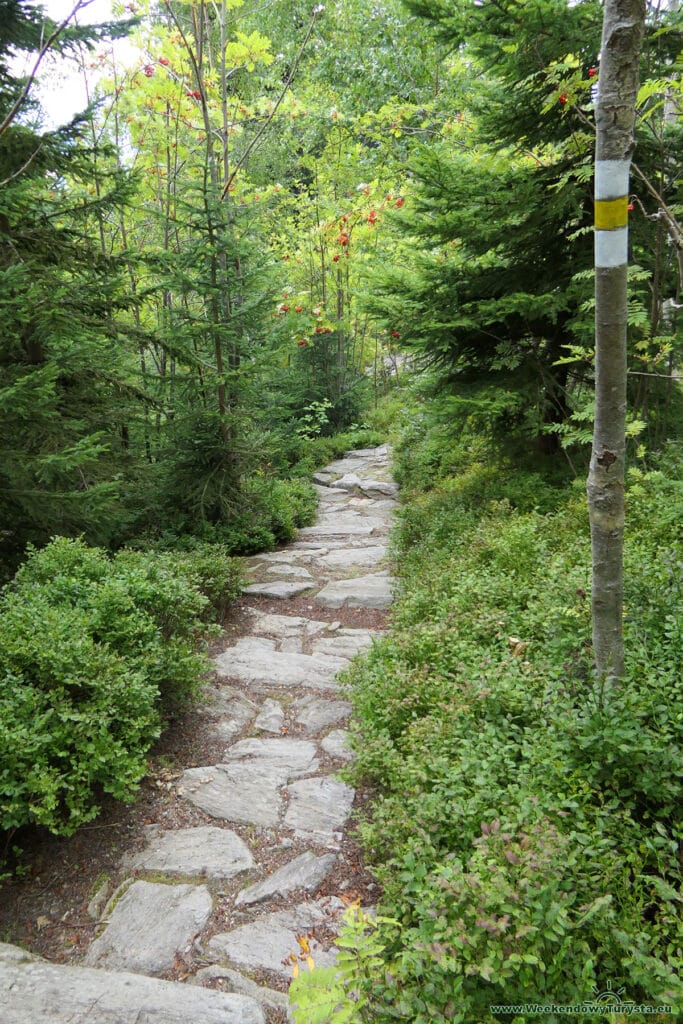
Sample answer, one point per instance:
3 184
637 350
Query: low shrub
525 826
95 652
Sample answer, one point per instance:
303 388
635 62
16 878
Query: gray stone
290 570
291 645
348 482
216 853
280 589
34 990
271 717
275 668
227 730
345 644
236 982
291 756
368 453
274 556
304 872
318 808
268 941
379 488
310 547
227 701
286 625
149 925
373 591
343 558
326 494
99 898
242 791
337 525
318 714
337 509
255 643
16 955
351 463
336 745
322 478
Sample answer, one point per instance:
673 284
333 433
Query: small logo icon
609 997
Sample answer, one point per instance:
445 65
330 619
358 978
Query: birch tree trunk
622 32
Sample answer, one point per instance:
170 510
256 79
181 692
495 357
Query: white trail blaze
611 212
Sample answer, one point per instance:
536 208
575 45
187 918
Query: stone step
268 942
372 591
33 990
272 784
260 666
149 925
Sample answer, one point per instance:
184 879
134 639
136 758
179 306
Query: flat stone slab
331 526
255 643
291 756
346 643
290 570
280 589
305 872
149 925
348 482
374 591
236 982
279 668
381 451
271 717
286 625
320 714
33 990
328 492
379 488
272 556
216 853
318 808
336 744
228 702
242 791
344 558
351 463
265 943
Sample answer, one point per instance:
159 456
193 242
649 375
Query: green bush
525 829
95 650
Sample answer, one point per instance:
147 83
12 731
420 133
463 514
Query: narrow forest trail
262 851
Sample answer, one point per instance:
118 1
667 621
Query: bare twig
16 106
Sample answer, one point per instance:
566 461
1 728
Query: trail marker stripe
611 248
611 214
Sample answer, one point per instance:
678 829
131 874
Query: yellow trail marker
611 213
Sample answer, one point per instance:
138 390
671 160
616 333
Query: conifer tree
494 285
62 393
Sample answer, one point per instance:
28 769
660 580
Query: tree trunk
622 32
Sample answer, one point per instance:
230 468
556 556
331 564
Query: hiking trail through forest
258 850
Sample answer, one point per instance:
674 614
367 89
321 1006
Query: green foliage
525 827
95 651
282 505
337 995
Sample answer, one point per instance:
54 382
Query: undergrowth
96 651
526 822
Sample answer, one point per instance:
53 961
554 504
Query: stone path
275 813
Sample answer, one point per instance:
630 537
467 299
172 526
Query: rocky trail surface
260 853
